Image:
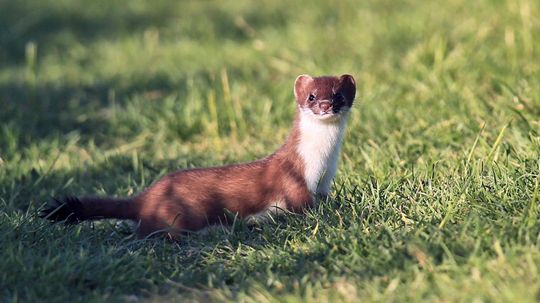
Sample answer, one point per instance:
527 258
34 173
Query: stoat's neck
319 144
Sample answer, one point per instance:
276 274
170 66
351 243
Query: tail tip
65 210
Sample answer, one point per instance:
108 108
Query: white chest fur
319 147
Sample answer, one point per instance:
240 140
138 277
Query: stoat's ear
348 87
300 86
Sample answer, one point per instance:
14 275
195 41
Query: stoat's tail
73 210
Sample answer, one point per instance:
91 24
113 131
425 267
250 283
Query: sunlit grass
436 198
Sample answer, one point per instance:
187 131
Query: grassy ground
437 195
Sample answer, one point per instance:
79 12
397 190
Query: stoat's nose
325 106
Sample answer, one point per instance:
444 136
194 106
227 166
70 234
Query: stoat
290 179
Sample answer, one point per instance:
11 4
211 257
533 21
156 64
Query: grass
437 195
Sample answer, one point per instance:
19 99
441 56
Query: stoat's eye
338 97
311 98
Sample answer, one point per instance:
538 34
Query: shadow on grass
40 113
59 24
56 25
109 254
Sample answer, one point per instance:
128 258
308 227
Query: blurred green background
436 198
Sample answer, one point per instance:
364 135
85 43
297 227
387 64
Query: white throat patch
319 146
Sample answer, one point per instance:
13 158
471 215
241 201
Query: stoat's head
326 98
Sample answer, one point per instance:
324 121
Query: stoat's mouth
328 116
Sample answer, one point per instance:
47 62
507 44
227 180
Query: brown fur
192 199
327 91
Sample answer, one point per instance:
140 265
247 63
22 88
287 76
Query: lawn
437 193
